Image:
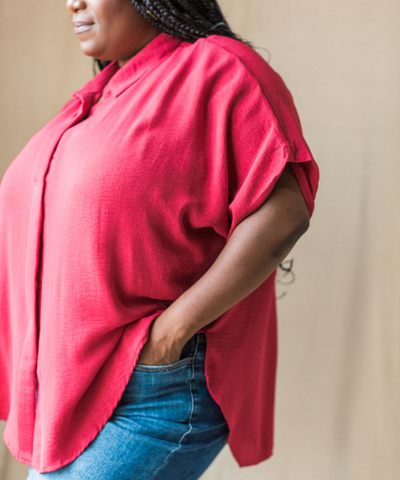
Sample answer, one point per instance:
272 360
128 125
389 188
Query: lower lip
82 29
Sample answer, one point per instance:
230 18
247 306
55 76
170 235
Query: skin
119 32
257 245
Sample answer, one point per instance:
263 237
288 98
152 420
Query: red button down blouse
107 218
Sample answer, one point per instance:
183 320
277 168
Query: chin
91 51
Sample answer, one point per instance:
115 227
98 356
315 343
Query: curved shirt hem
57 465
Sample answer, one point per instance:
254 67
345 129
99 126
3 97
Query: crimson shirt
106 219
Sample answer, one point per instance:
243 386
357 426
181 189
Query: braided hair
188 20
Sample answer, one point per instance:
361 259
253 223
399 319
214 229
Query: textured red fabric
106 219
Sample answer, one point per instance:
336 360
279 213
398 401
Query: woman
140 229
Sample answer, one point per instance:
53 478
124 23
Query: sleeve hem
240 212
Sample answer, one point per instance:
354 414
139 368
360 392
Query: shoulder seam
257 82
241 62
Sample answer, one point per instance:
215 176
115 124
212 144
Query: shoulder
230 49
228 60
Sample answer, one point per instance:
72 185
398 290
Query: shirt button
106 90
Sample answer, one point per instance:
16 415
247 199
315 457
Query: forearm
255 249
237 272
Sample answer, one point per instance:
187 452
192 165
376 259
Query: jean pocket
183 362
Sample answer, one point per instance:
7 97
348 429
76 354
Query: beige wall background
338 415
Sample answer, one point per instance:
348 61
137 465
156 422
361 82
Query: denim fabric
165 427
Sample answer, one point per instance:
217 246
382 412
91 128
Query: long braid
185 19
188 20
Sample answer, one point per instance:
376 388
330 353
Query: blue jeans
165 427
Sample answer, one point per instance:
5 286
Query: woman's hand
160 348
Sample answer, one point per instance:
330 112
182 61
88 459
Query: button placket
33 282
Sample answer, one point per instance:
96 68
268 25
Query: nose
74 6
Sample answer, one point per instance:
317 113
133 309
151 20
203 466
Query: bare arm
255 249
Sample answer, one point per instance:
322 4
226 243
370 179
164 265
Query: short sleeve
263 135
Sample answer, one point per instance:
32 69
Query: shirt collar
119 79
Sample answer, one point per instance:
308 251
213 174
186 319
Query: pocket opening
163 368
